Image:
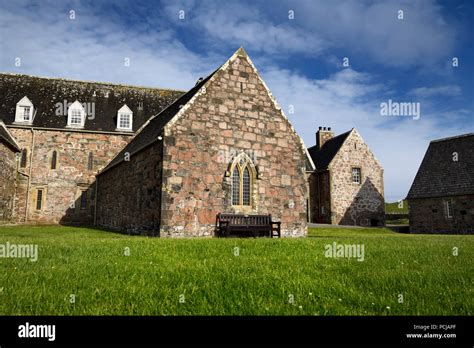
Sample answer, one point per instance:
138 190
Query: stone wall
7 182
129 194
428 215
351 203
62 187
234 115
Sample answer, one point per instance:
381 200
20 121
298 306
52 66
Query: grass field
209 277
394 207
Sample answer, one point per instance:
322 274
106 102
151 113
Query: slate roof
439 175
45 93
7 138
322 157
153 129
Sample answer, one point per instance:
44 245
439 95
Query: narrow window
54 159
236 186
246 187
83 199
241 87
90 161
356 175
449 209
39 199
26 113
24 154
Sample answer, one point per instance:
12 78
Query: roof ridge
453 137
92 82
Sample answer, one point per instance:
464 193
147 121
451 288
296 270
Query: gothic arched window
242 180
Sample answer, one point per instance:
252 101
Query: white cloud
372 29
245 24
447 90
91 48
398 143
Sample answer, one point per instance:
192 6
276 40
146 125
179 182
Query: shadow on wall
367 207
82 210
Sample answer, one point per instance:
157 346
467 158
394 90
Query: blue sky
300 58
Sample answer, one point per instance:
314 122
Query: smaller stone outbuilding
347 186
441 198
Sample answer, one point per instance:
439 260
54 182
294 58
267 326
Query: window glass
236 186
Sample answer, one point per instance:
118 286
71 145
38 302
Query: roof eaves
12 142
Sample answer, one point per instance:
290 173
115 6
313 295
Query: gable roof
153 128
50 96
7 138
439 175
150 131
323 157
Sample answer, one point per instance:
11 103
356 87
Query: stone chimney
322 135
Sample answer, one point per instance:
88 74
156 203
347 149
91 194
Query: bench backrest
241 219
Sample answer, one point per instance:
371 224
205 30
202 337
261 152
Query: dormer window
125 119
24 111
76 115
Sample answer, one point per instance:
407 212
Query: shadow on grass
96 228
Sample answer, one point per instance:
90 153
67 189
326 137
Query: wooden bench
240 223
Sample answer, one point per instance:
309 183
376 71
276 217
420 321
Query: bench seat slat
227 223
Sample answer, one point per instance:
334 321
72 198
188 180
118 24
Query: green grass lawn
212 280
394 207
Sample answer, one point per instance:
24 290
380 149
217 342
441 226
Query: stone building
441 198
67 131
347 186
153 161
224 146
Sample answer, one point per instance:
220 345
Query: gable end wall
351 203
234 114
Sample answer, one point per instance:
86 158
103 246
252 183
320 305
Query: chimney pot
320 128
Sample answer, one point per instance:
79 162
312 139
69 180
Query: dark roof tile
48 95
322 157
439 175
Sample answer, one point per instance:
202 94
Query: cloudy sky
299 48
